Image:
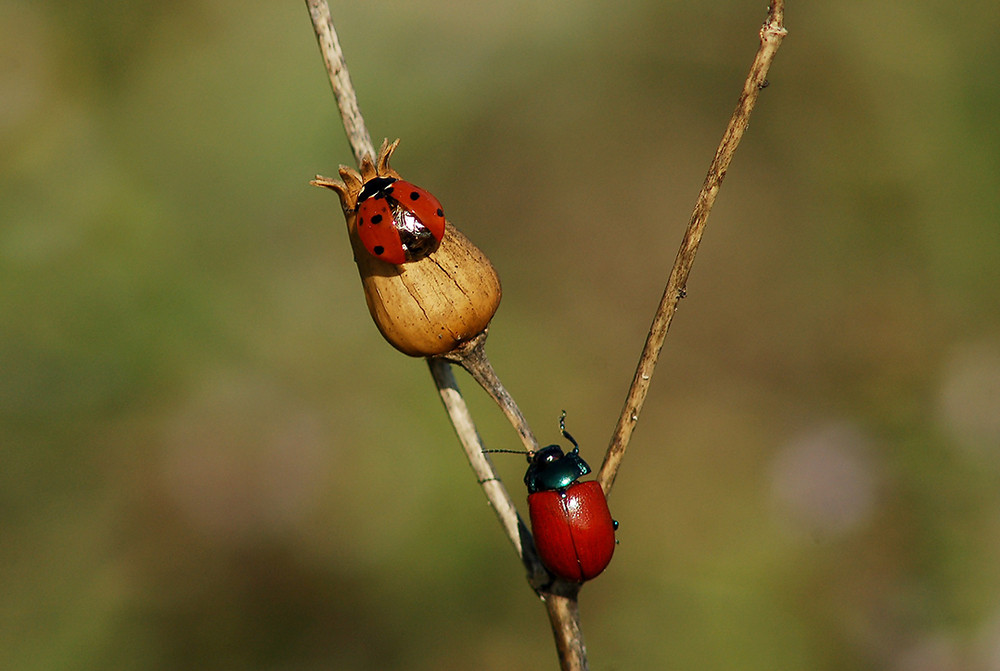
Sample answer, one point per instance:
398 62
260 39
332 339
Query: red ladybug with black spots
397 221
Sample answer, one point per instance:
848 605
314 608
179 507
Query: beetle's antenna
507 451
562 429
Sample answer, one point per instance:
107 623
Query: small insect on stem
573 529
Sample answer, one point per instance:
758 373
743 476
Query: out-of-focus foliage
210 460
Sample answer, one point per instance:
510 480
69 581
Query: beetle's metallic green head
550 469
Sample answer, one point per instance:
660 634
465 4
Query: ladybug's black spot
379 250
440 212
414 195
361 221
377 219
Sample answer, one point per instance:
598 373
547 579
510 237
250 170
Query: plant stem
472 357
493 487
771 35
560 598
340 81
564 616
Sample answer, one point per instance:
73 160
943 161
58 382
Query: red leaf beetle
573 529
398 221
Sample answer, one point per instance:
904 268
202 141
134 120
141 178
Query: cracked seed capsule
428 288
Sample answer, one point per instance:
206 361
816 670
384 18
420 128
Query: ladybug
398 221
573 529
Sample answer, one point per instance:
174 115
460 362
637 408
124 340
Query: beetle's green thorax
550 469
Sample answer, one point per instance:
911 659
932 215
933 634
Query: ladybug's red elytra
573 528
398 221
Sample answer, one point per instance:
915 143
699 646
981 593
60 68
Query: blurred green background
209 459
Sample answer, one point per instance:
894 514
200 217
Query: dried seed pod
443 291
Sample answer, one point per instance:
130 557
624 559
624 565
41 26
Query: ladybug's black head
375 188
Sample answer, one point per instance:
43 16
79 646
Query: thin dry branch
473 359
771 35
559 597
564 616
497 495
340 81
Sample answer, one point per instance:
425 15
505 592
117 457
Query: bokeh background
209 459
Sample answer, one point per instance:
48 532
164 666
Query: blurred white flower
824 481
969 397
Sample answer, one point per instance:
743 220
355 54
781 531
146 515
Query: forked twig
472 357
560 597
771 35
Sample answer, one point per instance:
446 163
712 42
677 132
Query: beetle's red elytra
574 531
573 528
